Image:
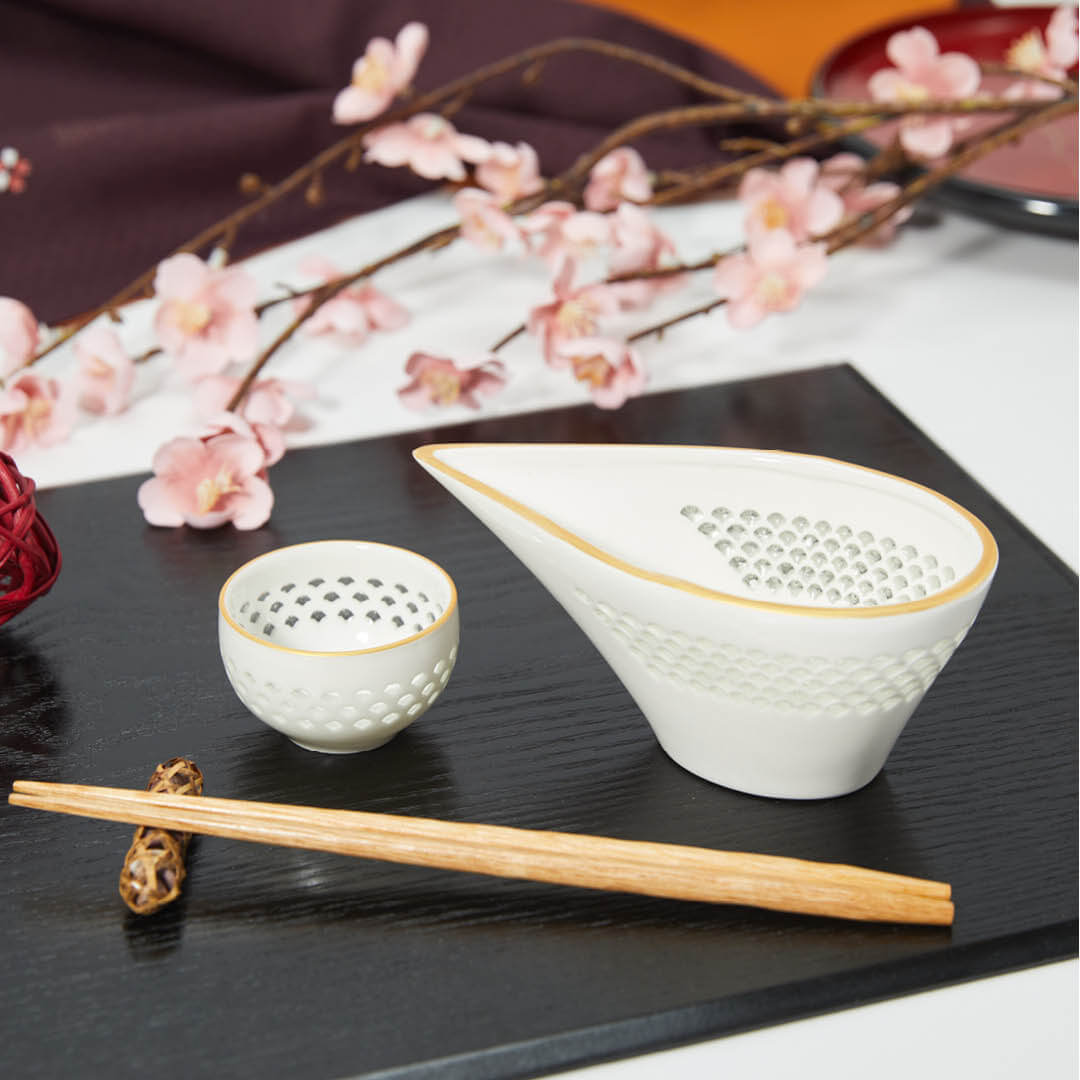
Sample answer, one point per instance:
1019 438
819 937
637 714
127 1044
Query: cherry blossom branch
322 294
733 106
706 179
659 328
709 178
674 269
810 109
989 68
736 105
507 338
848 233
717 174
227 228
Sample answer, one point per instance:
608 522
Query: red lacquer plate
1032 185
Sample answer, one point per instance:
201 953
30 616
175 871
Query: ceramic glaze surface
341 644
807 685
777 617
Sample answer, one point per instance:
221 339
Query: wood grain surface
288 963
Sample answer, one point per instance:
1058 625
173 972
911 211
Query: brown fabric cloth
140 117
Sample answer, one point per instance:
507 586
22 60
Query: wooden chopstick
652 869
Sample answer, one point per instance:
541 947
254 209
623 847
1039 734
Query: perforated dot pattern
393 608
796 560
805 684
300 712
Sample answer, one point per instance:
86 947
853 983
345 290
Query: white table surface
969 329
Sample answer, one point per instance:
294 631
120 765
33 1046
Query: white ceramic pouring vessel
777 617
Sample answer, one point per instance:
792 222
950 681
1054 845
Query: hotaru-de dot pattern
291 710
780 681
794 560
386 610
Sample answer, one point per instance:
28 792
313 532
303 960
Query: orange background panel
781 41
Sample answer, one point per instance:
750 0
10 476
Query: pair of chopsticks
593 862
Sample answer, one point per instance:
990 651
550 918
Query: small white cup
338 644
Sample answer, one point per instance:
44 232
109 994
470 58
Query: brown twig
849 232
673 270
321 294
351 143
507 338
812 109
735 106
990 68
718 174
659 328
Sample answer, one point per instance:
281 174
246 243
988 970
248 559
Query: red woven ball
29 555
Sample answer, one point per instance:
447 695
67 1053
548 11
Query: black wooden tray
296 964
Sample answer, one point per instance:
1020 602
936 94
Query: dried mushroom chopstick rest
154 865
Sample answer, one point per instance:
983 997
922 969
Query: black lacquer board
280 963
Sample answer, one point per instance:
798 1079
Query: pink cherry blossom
510 172
483 223
207 316
18 335
771 275
792 198
1063 37
269 401
543 227
381 74
612 370
558 231
106 371
618 175
14 169
429 144
35 411
844 174
573 313
268 436
640 245
354 312
208 481
1050 56
923 73
437 380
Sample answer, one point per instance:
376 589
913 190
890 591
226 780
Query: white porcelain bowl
339 644
777 617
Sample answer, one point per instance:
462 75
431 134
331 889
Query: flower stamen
773 214
444 387
36 416
212 489
774 290
97 367
371 74
1027 53
575 319
191 316
594 370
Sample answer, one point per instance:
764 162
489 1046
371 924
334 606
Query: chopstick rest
154 867
652 869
